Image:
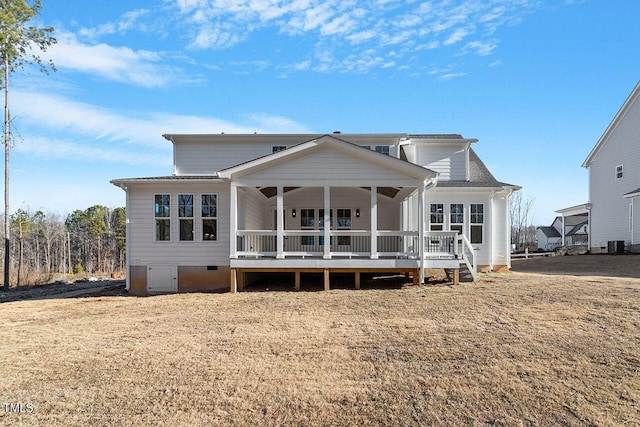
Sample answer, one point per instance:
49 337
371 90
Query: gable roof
576 229
479 176
631 99
549 231
351 149
632 194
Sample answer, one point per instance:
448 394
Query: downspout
508 237
127 235
491 199
589 226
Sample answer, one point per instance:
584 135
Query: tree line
44 246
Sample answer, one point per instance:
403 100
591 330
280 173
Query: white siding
327 162
501 230
610 211
252 210
467 198
145 250
449 160
636 221
202 157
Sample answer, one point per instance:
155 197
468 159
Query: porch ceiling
389 192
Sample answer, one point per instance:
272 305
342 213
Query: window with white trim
307 222
619 172
436 217
343 222
456 217
162 217
209 217
185 217
382 149
476 219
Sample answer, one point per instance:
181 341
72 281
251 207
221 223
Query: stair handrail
469 256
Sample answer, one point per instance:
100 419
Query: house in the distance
570 228
237 205
614 182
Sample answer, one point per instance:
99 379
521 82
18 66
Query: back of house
251 203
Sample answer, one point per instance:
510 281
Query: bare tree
521 220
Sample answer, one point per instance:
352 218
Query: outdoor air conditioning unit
615 247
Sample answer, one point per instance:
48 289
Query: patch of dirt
581 265
64 290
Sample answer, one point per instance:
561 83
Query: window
185 215
307 222
477 222
343 222
163 217
209 217
277 148
456 217
436 219
384 149
618 171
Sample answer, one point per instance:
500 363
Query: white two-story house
301 203
614 182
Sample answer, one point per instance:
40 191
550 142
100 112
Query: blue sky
536 81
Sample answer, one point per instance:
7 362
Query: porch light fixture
357 213
293 213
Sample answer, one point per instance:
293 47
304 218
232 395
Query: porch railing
467 254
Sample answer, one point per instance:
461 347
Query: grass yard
513 349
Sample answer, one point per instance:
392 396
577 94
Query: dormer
446 154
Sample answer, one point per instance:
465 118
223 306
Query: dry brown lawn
513 349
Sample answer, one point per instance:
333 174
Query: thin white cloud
129 20
85 151
96 133
480 48
451 76
122 64
351 28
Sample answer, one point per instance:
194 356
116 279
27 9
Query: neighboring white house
549 238
239 204
571 228
614 182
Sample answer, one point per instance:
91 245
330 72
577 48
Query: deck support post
234 281
421 229
327 223
357 280
280 223
240 279
416 277
233 221
297 280
326 279
374 222
456 276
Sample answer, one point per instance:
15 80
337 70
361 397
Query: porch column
327 223
421 230
280 223
563 238
374 222
233 221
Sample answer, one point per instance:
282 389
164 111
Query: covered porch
373 204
